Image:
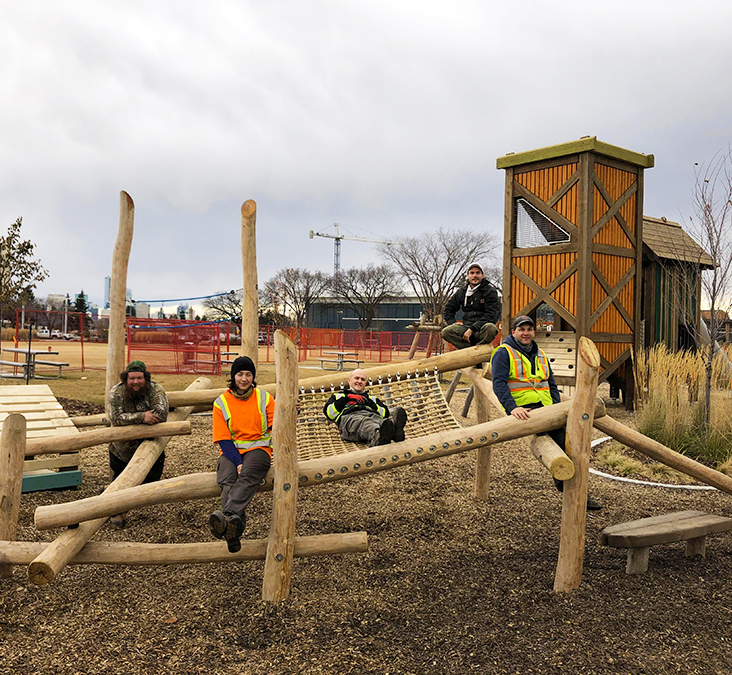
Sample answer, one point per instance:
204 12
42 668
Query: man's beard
134 397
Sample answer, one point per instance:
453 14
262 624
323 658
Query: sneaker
400 420
234 545
386 432
217 524
118 520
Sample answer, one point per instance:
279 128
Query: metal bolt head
286 487
585 417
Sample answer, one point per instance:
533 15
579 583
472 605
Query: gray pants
238 490
360 426
454 335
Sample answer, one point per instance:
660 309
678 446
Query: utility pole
337 244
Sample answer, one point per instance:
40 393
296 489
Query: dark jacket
348 401
501 367
482 307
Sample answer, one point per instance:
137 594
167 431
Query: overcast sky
386 117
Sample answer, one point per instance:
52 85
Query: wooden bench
639 535
55 364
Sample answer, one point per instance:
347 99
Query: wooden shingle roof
668 240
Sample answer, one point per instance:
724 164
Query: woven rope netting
421 397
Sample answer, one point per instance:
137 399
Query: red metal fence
178 346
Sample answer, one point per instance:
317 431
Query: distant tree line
432 265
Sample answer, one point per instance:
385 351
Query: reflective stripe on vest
266 440
527 387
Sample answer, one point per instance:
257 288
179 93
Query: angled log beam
47 445
133 553
314 471
278 565
661 453
12 450
47 566
574 499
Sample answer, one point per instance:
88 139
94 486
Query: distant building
93 311
142 310
107 284
55 301
394 315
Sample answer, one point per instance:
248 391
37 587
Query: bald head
357 380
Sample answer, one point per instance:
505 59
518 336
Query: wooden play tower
573 245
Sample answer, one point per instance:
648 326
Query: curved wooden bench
639 535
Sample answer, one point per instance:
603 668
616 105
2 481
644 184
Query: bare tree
294 290
225 306
435 263
712 227
364 289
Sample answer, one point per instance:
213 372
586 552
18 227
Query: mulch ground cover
448 585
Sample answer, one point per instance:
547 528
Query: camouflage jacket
121 413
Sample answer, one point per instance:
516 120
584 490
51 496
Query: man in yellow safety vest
523 381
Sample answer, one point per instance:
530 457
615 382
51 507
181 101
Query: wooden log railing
46 445
134 553
314 471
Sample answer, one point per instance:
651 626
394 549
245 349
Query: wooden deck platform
45 417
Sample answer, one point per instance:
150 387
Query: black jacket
483 306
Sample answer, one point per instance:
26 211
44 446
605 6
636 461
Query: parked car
69 336
56 334
43 333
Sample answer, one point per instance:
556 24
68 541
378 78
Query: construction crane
337 244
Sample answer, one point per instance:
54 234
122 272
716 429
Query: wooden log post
278 566
574 499
47 566
415 342
46 445
250 294
483 458
134 553
118 292
12 453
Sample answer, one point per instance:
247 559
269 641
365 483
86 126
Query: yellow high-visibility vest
527 387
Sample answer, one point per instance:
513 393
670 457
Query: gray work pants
238 489
454 335
360 426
